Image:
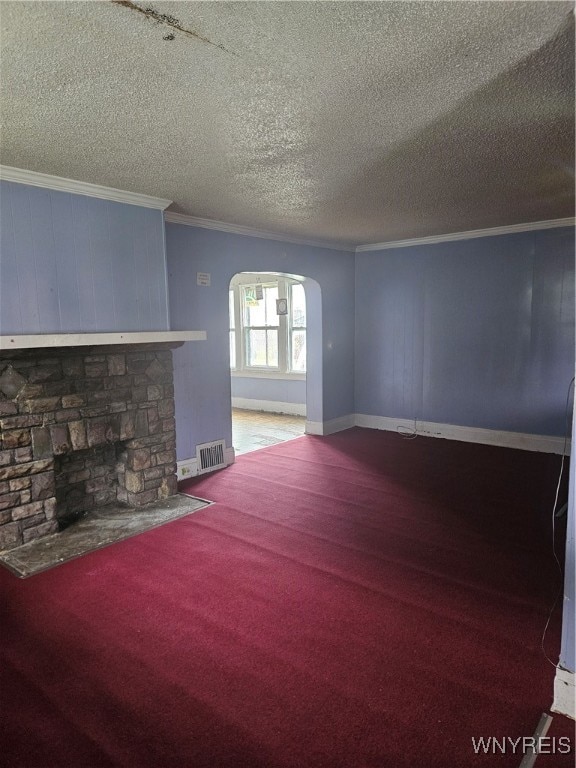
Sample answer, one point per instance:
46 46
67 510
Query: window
263 342
261 325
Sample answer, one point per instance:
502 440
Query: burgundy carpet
360 601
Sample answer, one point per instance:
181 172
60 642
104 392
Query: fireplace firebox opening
82 427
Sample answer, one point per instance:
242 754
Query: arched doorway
268 358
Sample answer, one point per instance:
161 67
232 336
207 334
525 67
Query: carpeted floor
360 601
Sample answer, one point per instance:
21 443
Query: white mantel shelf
47 340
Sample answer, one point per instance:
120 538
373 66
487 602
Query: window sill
267 375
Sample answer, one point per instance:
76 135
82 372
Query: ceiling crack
170 21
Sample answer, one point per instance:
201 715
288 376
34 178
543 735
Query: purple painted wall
76 263
478 333
568 646
279 390
202 374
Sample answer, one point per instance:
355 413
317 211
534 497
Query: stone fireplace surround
81 427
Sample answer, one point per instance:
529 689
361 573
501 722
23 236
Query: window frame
291 327
284 329
232 328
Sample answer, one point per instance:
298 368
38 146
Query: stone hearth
80 428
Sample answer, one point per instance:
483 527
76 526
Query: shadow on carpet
95 530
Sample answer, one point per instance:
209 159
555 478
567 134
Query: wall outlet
187 468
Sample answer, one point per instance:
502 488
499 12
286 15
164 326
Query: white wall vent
210 456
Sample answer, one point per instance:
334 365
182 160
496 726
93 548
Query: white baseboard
331 426
541 443
269 406
564 693
188 468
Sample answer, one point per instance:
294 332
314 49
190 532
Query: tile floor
252 430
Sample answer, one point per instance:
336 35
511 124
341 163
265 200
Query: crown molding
22 176
237 229
33 178
493 232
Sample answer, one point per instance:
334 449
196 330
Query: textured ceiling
352 122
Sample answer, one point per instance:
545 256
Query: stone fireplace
82 427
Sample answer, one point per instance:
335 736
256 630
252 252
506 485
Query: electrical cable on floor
409 435
558 564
